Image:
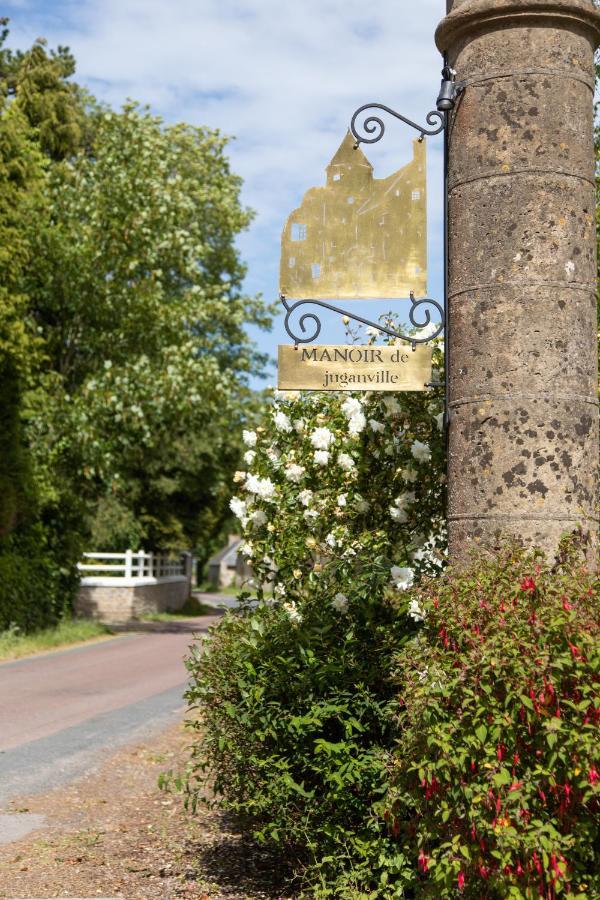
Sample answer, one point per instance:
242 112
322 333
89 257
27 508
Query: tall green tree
136 293
21 176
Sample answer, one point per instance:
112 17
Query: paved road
60 711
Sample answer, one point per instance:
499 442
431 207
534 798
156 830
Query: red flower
423 862
594 775
528 584
461 881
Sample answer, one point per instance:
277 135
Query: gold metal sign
359 237
354 368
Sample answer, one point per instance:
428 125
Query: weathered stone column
523 368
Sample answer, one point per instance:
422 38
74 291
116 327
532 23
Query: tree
21 174
136 292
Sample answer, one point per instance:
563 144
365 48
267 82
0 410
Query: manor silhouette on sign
359 237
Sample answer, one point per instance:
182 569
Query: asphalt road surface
61 711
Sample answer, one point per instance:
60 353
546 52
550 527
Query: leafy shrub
296 697
38 574
295 728
496 777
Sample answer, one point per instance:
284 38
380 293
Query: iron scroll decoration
375 126
374 129
306 337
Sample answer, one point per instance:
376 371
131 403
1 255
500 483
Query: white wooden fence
139 566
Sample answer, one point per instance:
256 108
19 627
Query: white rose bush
345 485
341 506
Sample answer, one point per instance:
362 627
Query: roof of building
227 555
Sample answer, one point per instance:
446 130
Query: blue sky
282 77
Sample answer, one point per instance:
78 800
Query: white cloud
284 78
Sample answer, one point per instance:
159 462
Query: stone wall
113 600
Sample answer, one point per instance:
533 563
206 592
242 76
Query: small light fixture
449 90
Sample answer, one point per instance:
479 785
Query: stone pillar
523 368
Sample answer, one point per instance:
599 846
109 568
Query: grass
14 645
191 609
207 588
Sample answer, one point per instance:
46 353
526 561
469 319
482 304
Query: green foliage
496 789
136 294
38 577
21 175
14 474
38 83
295 722
14 644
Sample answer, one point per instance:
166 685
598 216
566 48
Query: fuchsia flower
528 584
423 862
461 881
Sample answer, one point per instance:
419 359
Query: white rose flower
428 331
321 457
287 395
341 500
399 515
249 438
403 578
262 487
345 462
293 612
420 451
239 477
252 483
357 423
258 518
266 489
311 514
439 421
249 457
405 500
392 406
294 473
409 474
331 541
273 567
282 423
299 426
273 454
247 549
340 603
376 426
238 507
415 612
279 591
321 438
305 497
352 406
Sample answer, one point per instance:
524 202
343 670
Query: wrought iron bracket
374 129
437 119
306 335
